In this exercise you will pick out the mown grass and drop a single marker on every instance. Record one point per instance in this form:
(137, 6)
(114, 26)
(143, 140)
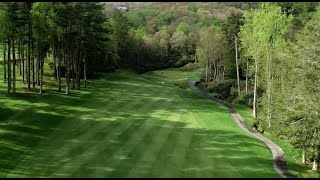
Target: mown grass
(293, 156)
(124, 125)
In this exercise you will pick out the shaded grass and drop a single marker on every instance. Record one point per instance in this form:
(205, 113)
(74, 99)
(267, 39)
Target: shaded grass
(124, 125)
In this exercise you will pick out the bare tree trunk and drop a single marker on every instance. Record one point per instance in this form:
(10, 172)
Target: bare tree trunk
(32, 57)
(255, 90)
(315, 166)
(54, 61)
(9, 67)
(269, 90)
(38, 68)
(237, 63)
(73, 69)
(207, 67)
(59, 65)
(19, 54)
(29, 57)
(303, 156)
(247, 76)
(22, 62)
(41, 79)
(78, 70)
(4, 62)
(85, 70)
(67, 80)
(223, 73)
(67, 74)
(14, 67)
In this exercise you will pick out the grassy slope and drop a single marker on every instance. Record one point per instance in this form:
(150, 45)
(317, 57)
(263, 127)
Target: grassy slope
(293, 156)
(124, 125)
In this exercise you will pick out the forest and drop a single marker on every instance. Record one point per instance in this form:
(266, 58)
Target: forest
(263, 56)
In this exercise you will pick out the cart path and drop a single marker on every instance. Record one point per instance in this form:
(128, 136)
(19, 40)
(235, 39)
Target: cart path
(278, 158)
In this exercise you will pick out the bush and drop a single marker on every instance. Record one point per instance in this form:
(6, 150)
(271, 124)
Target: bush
(182, 61)
(223, 88)
(245, 99)
(203, 77)
(233, 93)
(190, 66)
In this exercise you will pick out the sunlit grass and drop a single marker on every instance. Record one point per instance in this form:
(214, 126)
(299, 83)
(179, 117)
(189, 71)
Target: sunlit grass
(124, 125)
(293, 156)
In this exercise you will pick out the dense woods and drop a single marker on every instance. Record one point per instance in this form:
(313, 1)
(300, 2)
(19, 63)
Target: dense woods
(275, 49)
(32, 31)
(262, 55)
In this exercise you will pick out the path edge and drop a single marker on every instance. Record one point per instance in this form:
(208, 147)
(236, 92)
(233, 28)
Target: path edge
(278, 158)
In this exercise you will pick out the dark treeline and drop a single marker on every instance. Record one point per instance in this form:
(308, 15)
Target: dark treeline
(74, 34)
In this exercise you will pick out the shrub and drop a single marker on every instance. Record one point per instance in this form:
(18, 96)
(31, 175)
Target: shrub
(233, 93)
(190, 66)
(245, 99)
(182, 61)
(223, 88)
(203, 77)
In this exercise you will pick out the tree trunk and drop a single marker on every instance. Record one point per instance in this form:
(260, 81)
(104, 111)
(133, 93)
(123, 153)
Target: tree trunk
(247, 76)
(67, 80)
(14, 67)
(303, 156)
(223, 73)
(59, 67)
(41, 79)
(67, 74)
(38, 69)
(73, 69)
(9, 67)
(22, 61)
(29, 56)
(269, 85)
(19, 55)
(237, 63)
(85, 70)
(32, 57)
(207, 66)
(255, 89)
(4, 62)
(315, 166)
(54, 62)
(78, 70)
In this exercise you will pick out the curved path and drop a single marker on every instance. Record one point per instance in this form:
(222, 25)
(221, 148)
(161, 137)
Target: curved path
(278, 160)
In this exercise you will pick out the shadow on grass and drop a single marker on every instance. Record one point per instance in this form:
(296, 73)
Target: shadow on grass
(28, 149)
(92, 133)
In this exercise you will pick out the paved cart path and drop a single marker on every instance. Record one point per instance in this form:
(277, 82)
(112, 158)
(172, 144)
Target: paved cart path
(278, 159)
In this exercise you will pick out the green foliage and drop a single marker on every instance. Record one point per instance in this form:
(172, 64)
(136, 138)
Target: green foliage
(43, 17)
(118, 34)
(135, 18)
(183, 27)
(192, 6)
(165, 18)
(244, 99)
(222, 89)
(190, 66)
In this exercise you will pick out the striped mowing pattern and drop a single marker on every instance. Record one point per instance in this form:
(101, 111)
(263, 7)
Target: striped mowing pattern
(125, 125)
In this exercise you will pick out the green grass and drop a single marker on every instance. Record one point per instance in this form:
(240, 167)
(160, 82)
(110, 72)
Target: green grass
(293, 156)
(124, 125)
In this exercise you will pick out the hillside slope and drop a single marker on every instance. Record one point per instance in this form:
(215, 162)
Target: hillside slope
(125, 125)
